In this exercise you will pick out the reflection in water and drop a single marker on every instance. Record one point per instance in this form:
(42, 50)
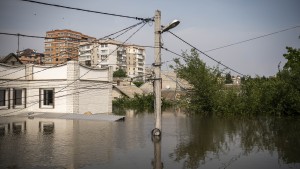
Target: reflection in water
(156, 162)
(18, 127)
(186, 142)
(211, 138)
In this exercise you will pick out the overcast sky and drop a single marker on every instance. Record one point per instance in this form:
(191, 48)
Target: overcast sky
(206, 24)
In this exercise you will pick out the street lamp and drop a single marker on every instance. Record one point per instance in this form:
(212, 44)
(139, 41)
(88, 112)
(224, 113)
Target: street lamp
(172, 25)
(158, 30)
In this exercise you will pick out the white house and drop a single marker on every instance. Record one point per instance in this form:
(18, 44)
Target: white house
(66, 88)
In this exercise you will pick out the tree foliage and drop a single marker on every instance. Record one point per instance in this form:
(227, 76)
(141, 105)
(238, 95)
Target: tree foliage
(120, 73)
(138, 83)
(228, 79)
(205, 81)
(278, 95)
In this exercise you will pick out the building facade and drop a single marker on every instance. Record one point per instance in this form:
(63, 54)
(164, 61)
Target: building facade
(112, 53)
(31, 56)
(67, 88)
(63, 45)
(88, 53)
(108, 52)
(136, 61)
(11, 59)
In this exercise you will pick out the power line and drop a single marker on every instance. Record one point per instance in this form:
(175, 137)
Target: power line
(181, 57)
(61, 90)
(206, 54)
(258, 37)
(38, 100)
(69, 50)
(125, 29)
(107, 55)
(86, 10)
(89, 87)
(42, 37)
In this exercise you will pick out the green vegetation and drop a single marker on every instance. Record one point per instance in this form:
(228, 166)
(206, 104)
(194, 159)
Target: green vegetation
(139, 103)
(278, 95)
(120, 73)
(228, 79)
(138, 83)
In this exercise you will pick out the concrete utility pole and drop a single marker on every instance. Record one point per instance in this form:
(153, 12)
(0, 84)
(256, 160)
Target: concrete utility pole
(157, 69)
(158, 30)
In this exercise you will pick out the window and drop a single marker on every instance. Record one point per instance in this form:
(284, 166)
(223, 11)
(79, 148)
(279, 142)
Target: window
(46, 98)
(104, 51)
(2, 97)
(19, 98)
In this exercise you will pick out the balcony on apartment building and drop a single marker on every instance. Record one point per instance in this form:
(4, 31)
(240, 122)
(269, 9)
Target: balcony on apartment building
(84, 58)
(140, 57)
(140, 70)
(140, 65)
(122, 63)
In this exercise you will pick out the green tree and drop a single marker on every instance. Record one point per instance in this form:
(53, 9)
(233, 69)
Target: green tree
(290, 77)
(291, 69)
(228, 79)
(120, 73)
(205, 82)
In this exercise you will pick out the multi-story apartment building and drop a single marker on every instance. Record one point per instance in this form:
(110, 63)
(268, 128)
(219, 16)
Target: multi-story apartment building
(88, 53)
(135, 61)
(112, 53)
(63, 45)
(108, 52)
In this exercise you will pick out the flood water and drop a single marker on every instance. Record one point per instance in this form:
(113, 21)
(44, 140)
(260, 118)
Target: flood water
(187, 142)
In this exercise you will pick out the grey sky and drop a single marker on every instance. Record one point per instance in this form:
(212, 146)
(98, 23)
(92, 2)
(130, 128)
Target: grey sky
(206, 24)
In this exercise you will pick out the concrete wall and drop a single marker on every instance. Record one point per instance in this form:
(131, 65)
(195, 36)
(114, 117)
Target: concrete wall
(77, 89)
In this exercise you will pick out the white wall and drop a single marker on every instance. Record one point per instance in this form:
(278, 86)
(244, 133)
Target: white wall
(12, 72)
(46, 72)
(91, 93)
(94, 97)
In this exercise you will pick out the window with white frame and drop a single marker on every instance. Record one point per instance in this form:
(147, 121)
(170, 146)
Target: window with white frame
(47, 98)
(19, 98)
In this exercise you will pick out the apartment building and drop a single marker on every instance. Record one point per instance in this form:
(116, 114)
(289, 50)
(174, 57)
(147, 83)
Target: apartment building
(108, 52)
(88, 53)
(112, 53)
(136, 61)
(63, 45)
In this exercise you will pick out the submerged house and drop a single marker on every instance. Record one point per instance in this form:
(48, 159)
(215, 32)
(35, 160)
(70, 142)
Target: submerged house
(65, 88)
(125, 91)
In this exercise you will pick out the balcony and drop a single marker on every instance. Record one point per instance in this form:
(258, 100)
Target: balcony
(140, 57)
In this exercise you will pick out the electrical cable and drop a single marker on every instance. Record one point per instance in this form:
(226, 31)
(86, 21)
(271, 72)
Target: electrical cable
(57, 54)
(181, 57)
(206, 54)
(107, 55)
(258, 37)
(130, 27)
(42, 37)
(90, 87)
(85, 72)
(85, 10)
(38, 101)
